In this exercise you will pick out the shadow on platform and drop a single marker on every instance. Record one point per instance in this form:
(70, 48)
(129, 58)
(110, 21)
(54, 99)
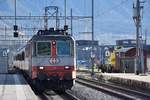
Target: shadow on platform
(12, 79)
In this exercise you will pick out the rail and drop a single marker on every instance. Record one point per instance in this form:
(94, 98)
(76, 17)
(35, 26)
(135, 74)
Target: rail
(113, 89)
(71, 96)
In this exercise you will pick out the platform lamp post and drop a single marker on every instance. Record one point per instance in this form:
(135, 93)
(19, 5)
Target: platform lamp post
(92, 51)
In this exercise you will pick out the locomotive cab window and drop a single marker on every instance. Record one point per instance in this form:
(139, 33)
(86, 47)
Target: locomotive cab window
(43, 48)
(63, 48)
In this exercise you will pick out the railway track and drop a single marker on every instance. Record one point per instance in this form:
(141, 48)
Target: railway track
(67, 95)
(71, 96)
(118, 91)
(52, 95)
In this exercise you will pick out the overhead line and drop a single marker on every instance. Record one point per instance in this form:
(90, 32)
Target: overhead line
(114, 7)
(42, 17)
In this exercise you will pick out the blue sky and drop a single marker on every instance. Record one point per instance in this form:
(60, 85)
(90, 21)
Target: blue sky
(113, 18)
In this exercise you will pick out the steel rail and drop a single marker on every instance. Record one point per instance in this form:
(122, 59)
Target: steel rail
(119, 87)
(71, 96)
(113, 89)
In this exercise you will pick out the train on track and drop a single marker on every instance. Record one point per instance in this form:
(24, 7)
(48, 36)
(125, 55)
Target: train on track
(49, 60)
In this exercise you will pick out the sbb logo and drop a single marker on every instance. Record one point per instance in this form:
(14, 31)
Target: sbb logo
(54, 60)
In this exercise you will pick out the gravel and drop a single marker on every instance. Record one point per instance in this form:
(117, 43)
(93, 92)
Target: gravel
(86, 93)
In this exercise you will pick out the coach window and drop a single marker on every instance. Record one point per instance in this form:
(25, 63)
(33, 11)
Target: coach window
(19, 57)
(27, 49)
(63, 48)
(43, 48)
(23, 56)
(16, 57)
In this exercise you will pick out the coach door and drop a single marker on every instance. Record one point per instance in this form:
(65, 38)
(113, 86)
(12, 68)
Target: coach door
(3, 61)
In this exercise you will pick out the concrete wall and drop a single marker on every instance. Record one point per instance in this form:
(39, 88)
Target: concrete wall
(148, 64)
(3, 60)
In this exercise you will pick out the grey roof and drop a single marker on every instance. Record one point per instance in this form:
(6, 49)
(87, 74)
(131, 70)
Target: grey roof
(125, 49)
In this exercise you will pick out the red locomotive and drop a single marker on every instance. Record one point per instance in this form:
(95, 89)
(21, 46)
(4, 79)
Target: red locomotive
(48, 59)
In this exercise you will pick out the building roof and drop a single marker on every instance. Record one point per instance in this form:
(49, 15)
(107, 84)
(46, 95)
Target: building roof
(124, 49)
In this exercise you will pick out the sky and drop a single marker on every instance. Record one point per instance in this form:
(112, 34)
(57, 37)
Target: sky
(112, 18)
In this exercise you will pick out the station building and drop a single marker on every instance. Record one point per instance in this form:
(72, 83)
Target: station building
(126, 55)
(8, 46)
(84, 52)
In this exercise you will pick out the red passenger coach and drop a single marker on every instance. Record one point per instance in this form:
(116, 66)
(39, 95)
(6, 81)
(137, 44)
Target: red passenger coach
(49, 60)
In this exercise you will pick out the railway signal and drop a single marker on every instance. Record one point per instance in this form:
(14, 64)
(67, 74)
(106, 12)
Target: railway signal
(15, 31)
(15, 34)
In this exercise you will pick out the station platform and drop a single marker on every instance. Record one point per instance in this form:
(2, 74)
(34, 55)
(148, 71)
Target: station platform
(141, 81)
(129, 79)
(14, 87)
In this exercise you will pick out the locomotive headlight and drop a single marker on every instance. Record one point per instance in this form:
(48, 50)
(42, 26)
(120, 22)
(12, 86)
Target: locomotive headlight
(73, 74)
(41, 67)
(67, 67)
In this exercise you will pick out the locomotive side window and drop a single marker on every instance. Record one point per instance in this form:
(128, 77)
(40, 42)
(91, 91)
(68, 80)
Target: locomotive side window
(43, 48)
(63, 48)
(27, 49)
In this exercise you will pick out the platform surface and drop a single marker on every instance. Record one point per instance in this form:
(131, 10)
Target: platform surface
(14, 87)
(131, 76)
(144, 78)
(140, 81)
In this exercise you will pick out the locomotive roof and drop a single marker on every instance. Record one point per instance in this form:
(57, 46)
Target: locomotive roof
(44, 35)
(51, 37)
